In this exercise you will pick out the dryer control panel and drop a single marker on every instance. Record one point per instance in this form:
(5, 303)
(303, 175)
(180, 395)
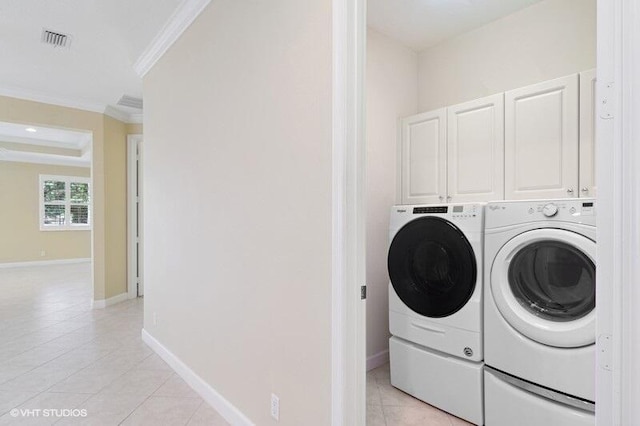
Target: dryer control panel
(503, 213)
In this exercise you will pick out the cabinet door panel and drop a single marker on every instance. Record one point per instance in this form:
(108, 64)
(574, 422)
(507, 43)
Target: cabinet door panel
(424, 158)
(541, 140)
(588, 133)
(475, 150)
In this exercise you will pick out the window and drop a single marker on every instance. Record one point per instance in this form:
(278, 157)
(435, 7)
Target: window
(64, 203)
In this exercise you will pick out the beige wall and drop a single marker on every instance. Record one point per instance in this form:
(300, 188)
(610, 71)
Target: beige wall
(134, 129)
(115, 174)
(550, 39)
(237, 220)
(392, 93)
(108, 174)
(22, 239)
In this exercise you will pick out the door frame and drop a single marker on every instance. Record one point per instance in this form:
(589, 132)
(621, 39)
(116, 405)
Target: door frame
(134, 219)
(348, 315)
(618, 221)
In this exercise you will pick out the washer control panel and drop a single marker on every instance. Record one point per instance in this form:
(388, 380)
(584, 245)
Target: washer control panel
(464, 211)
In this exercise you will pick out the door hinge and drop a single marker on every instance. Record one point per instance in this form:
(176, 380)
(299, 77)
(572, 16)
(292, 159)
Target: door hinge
(606, 101)
(363, 292)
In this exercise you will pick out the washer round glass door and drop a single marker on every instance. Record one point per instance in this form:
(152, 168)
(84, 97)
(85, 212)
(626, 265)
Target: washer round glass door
(544, 285)
(432, 267)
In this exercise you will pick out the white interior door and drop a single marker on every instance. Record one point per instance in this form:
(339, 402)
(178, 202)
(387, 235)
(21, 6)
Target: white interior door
(135, 286)
(541, 140)
(587, 133)
(424, 158)
(475, 150)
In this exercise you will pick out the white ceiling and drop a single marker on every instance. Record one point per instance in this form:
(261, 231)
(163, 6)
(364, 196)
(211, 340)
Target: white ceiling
(420, 24)
(108, 36)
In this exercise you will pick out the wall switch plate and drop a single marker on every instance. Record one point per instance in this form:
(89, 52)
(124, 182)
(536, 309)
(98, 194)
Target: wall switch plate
(275, 406)
(43, 253)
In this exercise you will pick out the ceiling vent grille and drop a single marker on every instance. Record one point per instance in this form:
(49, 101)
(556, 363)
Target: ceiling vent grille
(130, 101)
(55, 39)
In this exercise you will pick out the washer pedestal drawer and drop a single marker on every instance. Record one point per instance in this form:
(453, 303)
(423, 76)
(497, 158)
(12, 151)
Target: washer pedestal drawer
(509, 404)
(447, 382)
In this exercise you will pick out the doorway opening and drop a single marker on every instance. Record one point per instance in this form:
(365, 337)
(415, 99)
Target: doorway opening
(448, 88)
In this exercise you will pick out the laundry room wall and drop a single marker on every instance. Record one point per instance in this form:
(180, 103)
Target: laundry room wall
(238, 207)
(392, 93)
(549, 39)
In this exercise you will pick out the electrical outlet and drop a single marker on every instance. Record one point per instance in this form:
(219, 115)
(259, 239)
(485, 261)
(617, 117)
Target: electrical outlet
(155, 318)
(275, 406)
(43, 253)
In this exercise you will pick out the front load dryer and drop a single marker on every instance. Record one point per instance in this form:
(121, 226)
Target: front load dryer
(435, 266)
(539, 311)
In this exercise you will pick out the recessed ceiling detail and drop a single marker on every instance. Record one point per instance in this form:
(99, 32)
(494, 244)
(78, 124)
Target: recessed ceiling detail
(130, 101)
(56, 39)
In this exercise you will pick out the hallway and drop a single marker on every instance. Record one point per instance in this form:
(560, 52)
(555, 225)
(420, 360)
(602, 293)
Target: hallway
(59, 354)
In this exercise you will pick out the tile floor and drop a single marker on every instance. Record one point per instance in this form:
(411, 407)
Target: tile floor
(388, 406)
(58, 353)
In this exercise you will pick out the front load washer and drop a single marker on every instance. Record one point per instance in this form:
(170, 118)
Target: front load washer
(435, 266)
(539, 307)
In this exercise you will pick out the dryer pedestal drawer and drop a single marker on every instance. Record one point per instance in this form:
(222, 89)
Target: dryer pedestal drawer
(509, 404)
(447, 382)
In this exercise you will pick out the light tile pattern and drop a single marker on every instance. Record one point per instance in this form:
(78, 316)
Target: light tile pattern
(59, 353)
(388, 406)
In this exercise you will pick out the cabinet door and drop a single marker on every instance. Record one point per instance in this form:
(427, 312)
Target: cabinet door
(541, 140)
(588, 133)
(475, 150)
(424, 158)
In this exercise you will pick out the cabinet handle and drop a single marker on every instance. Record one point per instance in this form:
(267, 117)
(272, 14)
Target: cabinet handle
(448, 198)
(441, 198)
(585, 189)
(570, 190)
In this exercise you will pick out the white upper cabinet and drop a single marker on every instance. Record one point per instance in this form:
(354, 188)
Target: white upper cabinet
(541, 140)
(587, 134)
(424, 158)
(475, 150)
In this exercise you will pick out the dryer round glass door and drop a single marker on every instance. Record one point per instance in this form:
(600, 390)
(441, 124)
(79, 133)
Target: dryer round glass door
(432, 267)
(544, 285)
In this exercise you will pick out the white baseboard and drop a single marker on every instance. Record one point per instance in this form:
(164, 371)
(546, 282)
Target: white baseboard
(43, 263)
(225, 408)
(103, 303)
(375, 361)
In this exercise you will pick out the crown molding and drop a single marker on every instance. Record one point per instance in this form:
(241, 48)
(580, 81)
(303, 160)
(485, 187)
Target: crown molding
(81, 104)
(115, 113)
(135, 118)
(43, 158)
(130, 118)
(47, 98)
(179, 21)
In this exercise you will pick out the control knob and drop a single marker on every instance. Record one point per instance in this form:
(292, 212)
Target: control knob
(550, 210)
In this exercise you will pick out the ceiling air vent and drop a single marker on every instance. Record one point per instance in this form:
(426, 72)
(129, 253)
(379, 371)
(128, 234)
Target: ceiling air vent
(55, 39)
(130, 101)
